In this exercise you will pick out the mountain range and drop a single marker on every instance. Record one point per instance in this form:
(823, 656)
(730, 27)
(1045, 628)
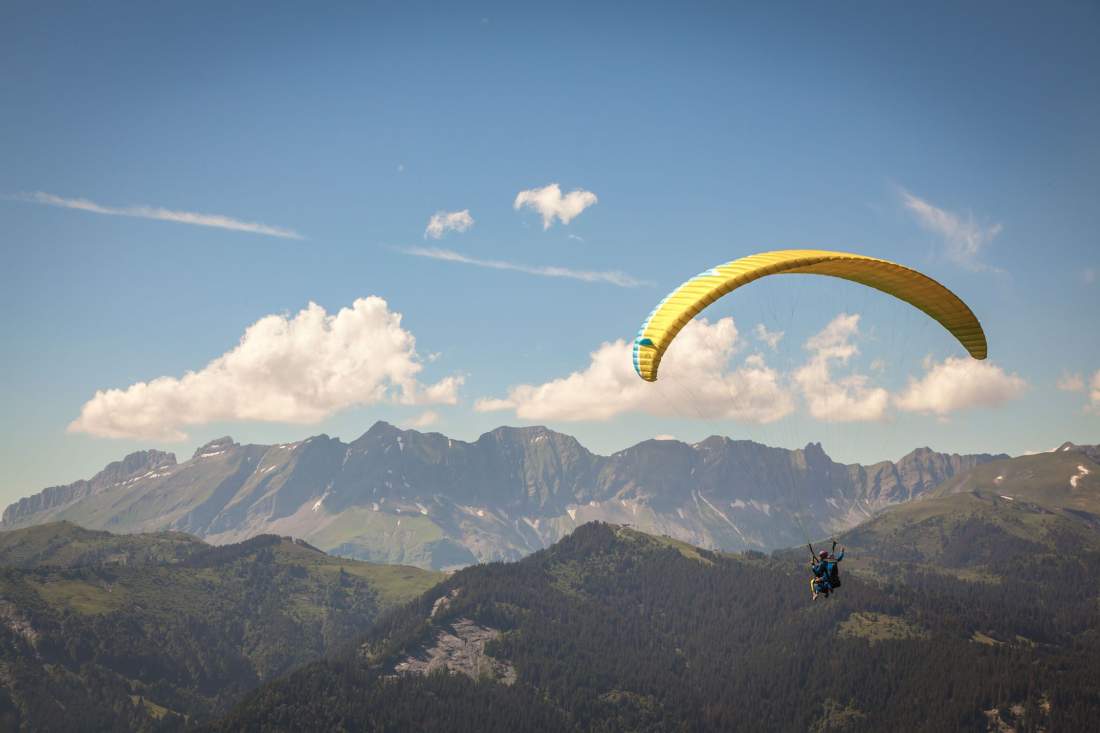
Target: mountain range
(425, 499)
(970, 607)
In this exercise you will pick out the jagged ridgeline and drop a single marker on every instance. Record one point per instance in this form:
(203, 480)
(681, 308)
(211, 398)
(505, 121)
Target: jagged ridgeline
(425, 499)
(612, 629)
(140, 632)
(1004, 517)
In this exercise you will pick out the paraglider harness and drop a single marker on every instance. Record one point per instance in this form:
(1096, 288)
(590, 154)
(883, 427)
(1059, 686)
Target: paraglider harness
(826, 572)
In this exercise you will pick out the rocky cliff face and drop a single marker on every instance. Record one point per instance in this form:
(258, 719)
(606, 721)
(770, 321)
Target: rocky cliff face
(422, 498)
(134, 468)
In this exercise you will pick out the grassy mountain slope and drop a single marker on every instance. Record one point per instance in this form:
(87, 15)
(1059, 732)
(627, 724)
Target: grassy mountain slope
(1067, 478)
(140, 631)
(611, 629)
(1004, 517)
(64, 544)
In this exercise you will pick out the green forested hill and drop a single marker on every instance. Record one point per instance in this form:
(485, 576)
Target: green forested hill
(612, 629)
(64, 544)
(1009, 517)
(108, 632)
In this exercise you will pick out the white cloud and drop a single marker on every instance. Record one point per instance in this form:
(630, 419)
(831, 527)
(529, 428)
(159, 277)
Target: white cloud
(959, 383)
(493, 404)
(1094, 392)
(424, 419)
(613, 277)
(298, 369)
(448, 221)
(695, 382)
(965, 238)
(551, 205)
(1088, 276)
(850, 398)
(155, 212)
(1071, 382)
(664, 436)
(771, 338)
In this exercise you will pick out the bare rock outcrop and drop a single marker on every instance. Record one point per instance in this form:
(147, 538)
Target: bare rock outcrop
(459, 647)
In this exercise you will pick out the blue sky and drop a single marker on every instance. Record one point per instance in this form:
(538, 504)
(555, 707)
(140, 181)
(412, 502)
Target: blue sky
(960, 140)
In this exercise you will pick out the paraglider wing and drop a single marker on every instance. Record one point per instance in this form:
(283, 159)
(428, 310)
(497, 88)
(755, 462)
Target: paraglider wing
(684, 303)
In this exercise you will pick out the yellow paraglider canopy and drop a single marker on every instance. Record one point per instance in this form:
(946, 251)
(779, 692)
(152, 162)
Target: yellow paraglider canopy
(686, 301)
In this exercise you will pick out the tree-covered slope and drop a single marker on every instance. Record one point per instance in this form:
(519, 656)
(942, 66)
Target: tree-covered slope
(109, 632)
(612, 629)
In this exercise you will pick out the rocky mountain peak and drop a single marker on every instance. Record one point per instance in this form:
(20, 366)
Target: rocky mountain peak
(713, 442)
(527, 433)
(381, 433)
(136, 464)
(815, 451)
(215, 446)
(1092, 451)
(382, 428)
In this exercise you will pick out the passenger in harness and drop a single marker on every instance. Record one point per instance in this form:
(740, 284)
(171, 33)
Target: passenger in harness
(825, 567)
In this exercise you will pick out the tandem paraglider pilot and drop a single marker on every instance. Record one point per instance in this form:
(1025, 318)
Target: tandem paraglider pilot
(825, 567)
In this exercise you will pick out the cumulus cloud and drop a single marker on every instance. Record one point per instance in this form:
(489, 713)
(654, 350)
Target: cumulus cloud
(551, 205)
(664, 436)
(846, 399)
(959, 383)
(771, 338)
(218, 221)
(614, 277)
(963, 236)
(1094, 392)
(1071, 382)
(697, 381)
(298, 369)
(442, 222)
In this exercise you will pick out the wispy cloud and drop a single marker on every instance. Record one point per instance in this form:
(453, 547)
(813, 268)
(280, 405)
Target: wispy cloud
(424, 419)
(1071, 382)
(964, 237)
(551, 205)
(771, 338)
(217, 221)
(1088, 276)
(448, 221)
(614, 277)
(1076, 382)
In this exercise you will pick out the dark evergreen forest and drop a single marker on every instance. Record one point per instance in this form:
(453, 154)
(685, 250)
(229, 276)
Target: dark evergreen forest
(613, 630)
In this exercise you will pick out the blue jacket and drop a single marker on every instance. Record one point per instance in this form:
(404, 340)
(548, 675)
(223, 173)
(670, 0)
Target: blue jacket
(828, 567)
